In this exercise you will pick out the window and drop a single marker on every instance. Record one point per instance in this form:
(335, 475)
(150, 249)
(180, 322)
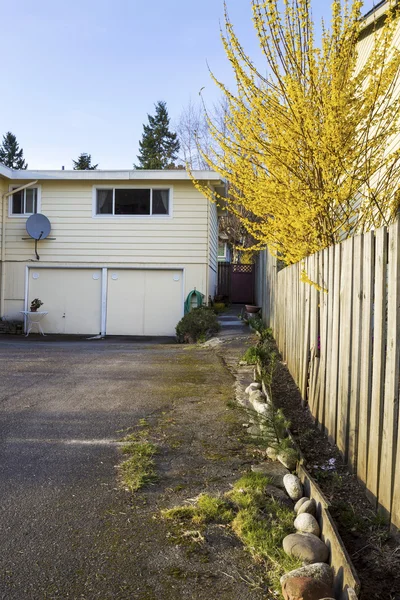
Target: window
(222, 250)
(24, 202)
(133, 202)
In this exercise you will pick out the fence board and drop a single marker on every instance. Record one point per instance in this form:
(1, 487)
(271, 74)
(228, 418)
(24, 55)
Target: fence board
(346, 292)
(366, 354)
(306, 343)
(323, 335)
(355, 351)
(313, 276)
(333, 392)
(331, 271)
(390, 399)
(378, 364)
(343, 350)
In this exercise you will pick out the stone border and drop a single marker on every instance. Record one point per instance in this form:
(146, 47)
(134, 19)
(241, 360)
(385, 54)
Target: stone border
(347, 583)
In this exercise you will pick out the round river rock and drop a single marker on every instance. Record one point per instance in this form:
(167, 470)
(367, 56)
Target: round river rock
(293, 487)
(306, 523)
(304, 588)
(299, 503)
(309, 507)
(320, 571)
(306, 546)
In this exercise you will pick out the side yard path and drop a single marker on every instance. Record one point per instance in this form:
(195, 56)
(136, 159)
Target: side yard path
(69, 531)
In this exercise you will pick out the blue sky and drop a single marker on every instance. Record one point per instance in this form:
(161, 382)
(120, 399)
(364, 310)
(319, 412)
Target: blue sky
(82, 76)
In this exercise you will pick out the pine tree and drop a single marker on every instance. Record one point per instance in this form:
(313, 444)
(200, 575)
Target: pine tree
(159, 146)
(84, 163)
(10, 154)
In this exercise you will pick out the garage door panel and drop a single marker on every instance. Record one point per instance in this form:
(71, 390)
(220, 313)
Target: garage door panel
(144, 301)
(72, 298)
(83, 305)
(125, 302)
(163, 306)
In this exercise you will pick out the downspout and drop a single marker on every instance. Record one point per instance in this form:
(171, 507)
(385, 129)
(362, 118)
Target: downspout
(3, 243)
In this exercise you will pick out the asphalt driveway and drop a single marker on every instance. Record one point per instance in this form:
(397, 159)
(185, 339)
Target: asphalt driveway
(67, 528)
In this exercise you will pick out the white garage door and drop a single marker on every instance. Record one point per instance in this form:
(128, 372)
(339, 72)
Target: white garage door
(144, 302)
(72, 298)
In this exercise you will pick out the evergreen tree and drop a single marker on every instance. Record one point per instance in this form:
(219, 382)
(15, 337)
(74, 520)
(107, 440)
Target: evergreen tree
(10, 153)
(159, 146)
(84, 163)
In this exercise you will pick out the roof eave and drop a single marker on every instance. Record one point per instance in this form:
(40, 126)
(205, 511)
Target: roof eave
(110, 175)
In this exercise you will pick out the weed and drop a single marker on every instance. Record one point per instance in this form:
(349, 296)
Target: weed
(252, 355)
(138, 470)
(256, 323)
(179, 513)
(177, 573)
(207, 509)
(231, 404)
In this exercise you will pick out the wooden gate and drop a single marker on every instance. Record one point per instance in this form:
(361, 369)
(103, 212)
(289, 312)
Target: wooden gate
(236, 282)
(242, 284)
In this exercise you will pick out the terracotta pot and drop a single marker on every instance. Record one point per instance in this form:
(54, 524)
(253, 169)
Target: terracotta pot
(252, 309)
(33, 309)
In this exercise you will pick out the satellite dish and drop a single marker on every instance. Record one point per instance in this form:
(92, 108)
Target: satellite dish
(38, 227)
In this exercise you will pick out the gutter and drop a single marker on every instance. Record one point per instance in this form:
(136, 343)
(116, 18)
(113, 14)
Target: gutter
(3, 243)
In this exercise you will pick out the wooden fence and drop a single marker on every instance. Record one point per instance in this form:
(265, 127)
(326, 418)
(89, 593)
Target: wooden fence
(341, 340)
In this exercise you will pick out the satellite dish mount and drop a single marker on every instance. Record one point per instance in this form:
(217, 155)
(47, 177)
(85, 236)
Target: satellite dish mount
(38, 228)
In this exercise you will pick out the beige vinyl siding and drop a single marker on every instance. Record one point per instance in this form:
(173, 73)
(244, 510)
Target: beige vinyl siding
(3, 190)
(80, 237)
(213, 249)
(365, 47)
(177, 242)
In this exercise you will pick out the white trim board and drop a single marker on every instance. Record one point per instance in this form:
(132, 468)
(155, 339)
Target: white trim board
(113, 175)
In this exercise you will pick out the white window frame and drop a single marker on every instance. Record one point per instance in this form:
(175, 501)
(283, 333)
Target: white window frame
(225, 255)
(133, 187)
(14, 186)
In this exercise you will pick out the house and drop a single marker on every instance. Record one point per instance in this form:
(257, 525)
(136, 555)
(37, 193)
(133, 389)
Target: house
(125, 248)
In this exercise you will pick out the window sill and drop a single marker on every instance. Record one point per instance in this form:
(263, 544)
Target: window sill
(139, 217)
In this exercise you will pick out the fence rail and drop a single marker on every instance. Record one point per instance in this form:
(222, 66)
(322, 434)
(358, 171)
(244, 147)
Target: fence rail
(340, 338)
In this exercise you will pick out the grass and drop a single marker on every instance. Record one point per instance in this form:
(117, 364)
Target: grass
(208, 509)
(262, 532)
(259, 521)
(139, 469)
(249, 490)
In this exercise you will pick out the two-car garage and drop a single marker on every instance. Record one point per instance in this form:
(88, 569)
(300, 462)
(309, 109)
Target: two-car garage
(122, 301)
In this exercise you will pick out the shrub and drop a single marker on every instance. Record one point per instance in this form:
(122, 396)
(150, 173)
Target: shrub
(198, 324)
(219, 307)
(252, 355)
